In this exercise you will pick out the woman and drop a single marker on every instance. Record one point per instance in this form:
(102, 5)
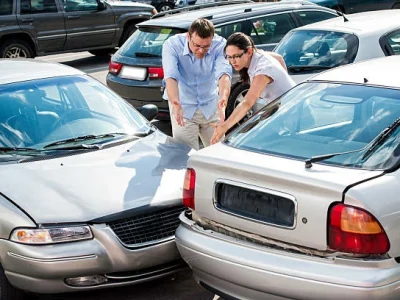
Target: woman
(266, 72)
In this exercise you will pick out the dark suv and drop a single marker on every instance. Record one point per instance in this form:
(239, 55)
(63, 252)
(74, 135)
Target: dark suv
(135, 70)
(30, 28)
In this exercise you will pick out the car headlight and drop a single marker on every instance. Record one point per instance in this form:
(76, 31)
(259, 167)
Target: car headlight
(51, 235)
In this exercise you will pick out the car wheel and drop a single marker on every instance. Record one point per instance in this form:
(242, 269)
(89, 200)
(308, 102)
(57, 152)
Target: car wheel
(15, 49)
(237, 96)
(101, 52)
(164, 7)
(129, 30)
(7, 291)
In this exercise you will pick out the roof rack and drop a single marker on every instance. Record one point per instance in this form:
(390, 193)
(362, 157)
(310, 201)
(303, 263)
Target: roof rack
(200, 6)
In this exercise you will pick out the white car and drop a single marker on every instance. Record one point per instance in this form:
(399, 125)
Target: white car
(302, 201)
(352, 38)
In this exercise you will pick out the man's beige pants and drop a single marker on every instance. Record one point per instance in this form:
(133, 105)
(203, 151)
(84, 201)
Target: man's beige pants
(195, 127)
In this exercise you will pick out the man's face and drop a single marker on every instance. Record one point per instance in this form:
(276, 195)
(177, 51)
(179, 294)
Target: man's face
(199, 46)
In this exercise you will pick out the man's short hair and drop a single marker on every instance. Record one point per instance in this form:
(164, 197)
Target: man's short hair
(203, 28)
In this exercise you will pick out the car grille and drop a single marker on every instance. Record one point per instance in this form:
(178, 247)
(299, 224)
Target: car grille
(147, 228)
(256, 204)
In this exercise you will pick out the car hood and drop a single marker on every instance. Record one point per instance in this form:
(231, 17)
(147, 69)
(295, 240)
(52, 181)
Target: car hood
(83, 187)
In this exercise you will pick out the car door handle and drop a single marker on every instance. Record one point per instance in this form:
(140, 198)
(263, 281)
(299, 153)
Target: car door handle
(25, 20)
(73, 17)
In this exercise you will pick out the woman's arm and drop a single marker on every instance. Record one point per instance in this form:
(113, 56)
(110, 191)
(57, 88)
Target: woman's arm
(257, 87)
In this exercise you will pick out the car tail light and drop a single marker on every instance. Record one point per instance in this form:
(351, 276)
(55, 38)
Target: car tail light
(188, 188)
(156, 73)
(354, 230)
(114, 67)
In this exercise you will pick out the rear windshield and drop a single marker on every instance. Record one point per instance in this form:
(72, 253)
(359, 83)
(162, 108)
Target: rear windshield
(147, 41)
(318, 48)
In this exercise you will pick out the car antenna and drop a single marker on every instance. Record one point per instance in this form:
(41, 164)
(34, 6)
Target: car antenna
(342, 14)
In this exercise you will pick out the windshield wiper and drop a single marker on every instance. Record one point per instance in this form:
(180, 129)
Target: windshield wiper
(146, 54)
(82, 138)
(371, 146)
(298, 69)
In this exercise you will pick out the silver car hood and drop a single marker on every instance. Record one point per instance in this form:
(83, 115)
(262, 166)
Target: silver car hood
(83, 187)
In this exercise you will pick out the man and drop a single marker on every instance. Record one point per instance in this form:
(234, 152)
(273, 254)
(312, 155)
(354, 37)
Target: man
(198, 81)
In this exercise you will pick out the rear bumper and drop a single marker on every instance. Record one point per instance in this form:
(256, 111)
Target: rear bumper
(244, 270)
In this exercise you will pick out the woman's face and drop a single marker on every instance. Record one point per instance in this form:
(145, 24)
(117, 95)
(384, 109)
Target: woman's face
(237, 57)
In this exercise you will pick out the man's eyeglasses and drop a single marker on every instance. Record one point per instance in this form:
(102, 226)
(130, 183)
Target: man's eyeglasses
(236, 56)
(199, 46)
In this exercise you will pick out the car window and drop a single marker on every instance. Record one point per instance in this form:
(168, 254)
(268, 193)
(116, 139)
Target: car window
(147, 41)
(316, 119)
(394, 41)
(227, 29)
(80, 5)
(271, 29)
(308, 17)
(318, 48)
(38, 6)
(6, 7)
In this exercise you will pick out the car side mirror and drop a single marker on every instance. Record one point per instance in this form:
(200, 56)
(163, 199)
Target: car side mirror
(101, 5)
(149, 111)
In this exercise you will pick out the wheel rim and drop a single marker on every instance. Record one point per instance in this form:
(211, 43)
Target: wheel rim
(239, 100)
(15, 52)
(165, 8)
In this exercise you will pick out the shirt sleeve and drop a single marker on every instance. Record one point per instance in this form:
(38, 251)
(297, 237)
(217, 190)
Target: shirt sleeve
(222, 66)
(170, 60)
(266, 66)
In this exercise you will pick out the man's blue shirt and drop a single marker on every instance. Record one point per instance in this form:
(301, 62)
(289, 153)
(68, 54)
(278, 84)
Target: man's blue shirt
(197, 78)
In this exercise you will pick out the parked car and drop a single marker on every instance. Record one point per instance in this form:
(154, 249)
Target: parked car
(343, 40)
(300, 202)
(160, 5)
(353, 6)
(135, 70)
(90, 191)
(34, 28)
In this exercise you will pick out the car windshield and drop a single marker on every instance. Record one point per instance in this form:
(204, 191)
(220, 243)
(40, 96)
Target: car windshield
(147, 41)
(36, 113)
(308, 50)
(315, 119)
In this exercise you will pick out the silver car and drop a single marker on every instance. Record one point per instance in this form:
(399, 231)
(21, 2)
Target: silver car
(301, 202)
(90, 191)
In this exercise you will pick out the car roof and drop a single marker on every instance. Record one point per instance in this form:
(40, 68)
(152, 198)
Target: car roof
(360, 23)
(371, 72)
(184, 17)
(30, 69)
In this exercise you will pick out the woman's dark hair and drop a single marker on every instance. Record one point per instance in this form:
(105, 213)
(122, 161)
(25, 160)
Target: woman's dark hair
(243, 42)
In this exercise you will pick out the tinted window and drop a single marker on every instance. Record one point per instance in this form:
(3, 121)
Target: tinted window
(271, 29)
(321, 118)
(6, 7)
(308, 17)
(147, 42)
(394, 41)
(227, 29)
(318, 48)
(80, 5)
(38, 6)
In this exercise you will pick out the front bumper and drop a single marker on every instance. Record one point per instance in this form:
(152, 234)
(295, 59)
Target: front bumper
(244, 270)
(43, 269)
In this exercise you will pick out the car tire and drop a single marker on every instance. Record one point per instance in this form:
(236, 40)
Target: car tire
(164, 7)
(238, 91)
(7, 291)
(129, 30)
(15, 48)
(101, 52)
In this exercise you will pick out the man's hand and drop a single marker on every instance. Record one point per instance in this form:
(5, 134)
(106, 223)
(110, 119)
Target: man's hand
(221, 109)
(219, 133)
(178, 113)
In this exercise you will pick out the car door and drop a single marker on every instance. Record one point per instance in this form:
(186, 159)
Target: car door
(87, 24)
(268, 30)
(43, 19)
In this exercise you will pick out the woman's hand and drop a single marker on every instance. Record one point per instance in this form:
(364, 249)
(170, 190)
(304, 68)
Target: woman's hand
(221, 110)
(219, 133)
